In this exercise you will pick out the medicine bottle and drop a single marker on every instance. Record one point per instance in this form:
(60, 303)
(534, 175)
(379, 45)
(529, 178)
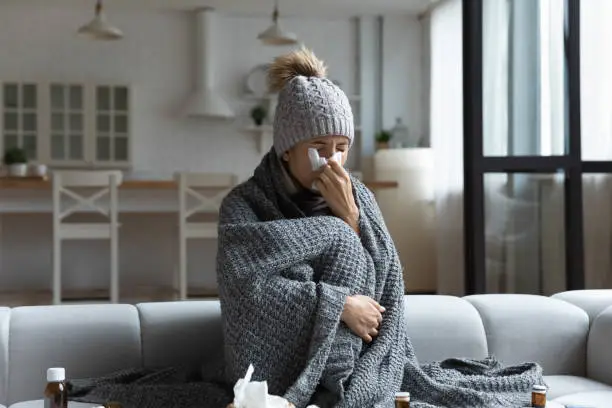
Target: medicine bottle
(538, 396)
(402, 400)
(56, 394)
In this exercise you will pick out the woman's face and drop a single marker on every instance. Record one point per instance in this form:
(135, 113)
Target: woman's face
(299, 163)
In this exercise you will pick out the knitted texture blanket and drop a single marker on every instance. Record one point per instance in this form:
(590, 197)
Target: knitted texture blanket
(283, 279)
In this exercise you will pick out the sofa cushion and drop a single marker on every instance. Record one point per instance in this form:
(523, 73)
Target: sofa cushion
(88, 340)
(180, 332)
(592, 301)
(444, 326)
(4, 336)
(599, 352)
(589, 399)
(523, 328)
(560, 385)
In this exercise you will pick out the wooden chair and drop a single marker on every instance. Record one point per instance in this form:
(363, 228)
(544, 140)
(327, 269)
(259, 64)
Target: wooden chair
(190, 186)
(67, 183)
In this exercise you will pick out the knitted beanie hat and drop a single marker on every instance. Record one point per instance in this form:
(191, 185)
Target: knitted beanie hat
(309, 104)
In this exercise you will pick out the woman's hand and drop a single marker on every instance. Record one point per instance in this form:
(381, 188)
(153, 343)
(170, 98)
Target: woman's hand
(336, 188)
(363, 316)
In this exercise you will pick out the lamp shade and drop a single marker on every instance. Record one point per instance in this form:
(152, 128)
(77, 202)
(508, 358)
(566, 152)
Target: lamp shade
(275, 35)
(99, 28)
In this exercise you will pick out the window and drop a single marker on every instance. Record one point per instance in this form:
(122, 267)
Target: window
(20, 118)
(67, 122)
(112, 123)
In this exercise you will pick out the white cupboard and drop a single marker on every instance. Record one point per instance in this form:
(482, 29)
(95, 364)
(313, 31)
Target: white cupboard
(68, 124)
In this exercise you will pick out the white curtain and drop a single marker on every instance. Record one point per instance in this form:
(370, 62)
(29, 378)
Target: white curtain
(496, 18)
(552, 77)
(446, 129)
(596, 116)
(446, 121)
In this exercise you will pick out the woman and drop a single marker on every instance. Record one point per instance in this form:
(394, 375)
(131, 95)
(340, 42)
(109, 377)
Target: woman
(310, 282)
(311, 286)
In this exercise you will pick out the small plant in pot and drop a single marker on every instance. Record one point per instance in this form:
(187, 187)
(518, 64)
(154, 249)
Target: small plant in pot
(382, 139)
(259, 114)
(16, 161)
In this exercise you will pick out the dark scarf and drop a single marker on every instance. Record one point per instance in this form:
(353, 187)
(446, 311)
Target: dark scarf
(310, 202)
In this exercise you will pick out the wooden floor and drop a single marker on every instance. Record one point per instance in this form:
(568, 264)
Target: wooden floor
(96, 296)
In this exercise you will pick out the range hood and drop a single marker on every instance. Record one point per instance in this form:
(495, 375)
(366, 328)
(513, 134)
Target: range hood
(206, 101)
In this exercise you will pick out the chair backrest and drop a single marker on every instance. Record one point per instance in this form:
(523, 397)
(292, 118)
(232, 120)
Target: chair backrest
(189, 185)
(103, 182)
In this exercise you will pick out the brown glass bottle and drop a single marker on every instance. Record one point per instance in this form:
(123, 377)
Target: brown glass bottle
(402, 400)
(538, 396)
(56, 394)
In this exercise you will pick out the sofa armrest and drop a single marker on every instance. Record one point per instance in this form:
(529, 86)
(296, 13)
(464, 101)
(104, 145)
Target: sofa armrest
(599, 351)
(5, 314)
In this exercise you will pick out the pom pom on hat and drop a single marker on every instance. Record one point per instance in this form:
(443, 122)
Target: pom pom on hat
(302, 62)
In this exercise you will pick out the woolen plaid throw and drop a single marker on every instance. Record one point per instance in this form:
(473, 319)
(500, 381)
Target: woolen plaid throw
(283, 279)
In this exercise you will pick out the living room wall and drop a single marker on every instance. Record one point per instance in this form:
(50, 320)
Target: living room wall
(156, 57)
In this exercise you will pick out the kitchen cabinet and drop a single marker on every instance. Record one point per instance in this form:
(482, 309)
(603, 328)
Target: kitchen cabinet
(66, 124)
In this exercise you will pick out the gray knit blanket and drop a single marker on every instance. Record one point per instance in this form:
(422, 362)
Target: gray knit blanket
(283, 279)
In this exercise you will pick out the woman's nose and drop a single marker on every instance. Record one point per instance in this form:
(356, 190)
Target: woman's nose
(327, 152)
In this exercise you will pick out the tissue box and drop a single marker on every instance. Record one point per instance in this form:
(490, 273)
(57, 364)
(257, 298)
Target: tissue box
(254, 394)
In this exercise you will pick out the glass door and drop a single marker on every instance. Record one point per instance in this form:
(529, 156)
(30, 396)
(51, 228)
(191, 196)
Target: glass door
(523, 203)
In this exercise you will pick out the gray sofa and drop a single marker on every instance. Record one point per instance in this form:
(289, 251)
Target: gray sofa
(570, 334)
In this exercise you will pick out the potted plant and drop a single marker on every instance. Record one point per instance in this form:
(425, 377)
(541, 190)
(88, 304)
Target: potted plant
(17, 162)
(259, 114)
(382, 139)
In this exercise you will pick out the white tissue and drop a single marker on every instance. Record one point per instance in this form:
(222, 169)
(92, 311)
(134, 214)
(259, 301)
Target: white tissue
(317, 161)
(254, 394)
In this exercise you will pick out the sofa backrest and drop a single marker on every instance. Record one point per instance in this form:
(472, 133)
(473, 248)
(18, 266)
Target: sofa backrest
(4, 336)
(521, 328)
(188, 332)
(180, 332)
(592, 301)
(444, 326)
(93, 340)
(88, 340)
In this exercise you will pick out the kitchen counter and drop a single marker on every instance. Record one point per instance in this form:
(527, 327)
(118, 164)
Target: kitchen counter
(139, 184)
(30, 195)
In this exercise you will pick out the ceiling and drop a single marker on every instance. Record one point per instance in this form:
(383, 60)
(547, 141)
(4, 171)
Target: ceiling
(257, 7)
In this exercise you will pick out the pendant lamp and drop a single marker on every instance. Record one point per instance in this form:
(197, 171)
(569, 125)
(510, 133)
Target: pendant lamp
(99, 28)
(275, 35)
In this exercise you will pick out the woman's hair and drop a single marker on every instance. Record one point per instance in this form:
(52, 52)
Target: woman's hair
(302, 62)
